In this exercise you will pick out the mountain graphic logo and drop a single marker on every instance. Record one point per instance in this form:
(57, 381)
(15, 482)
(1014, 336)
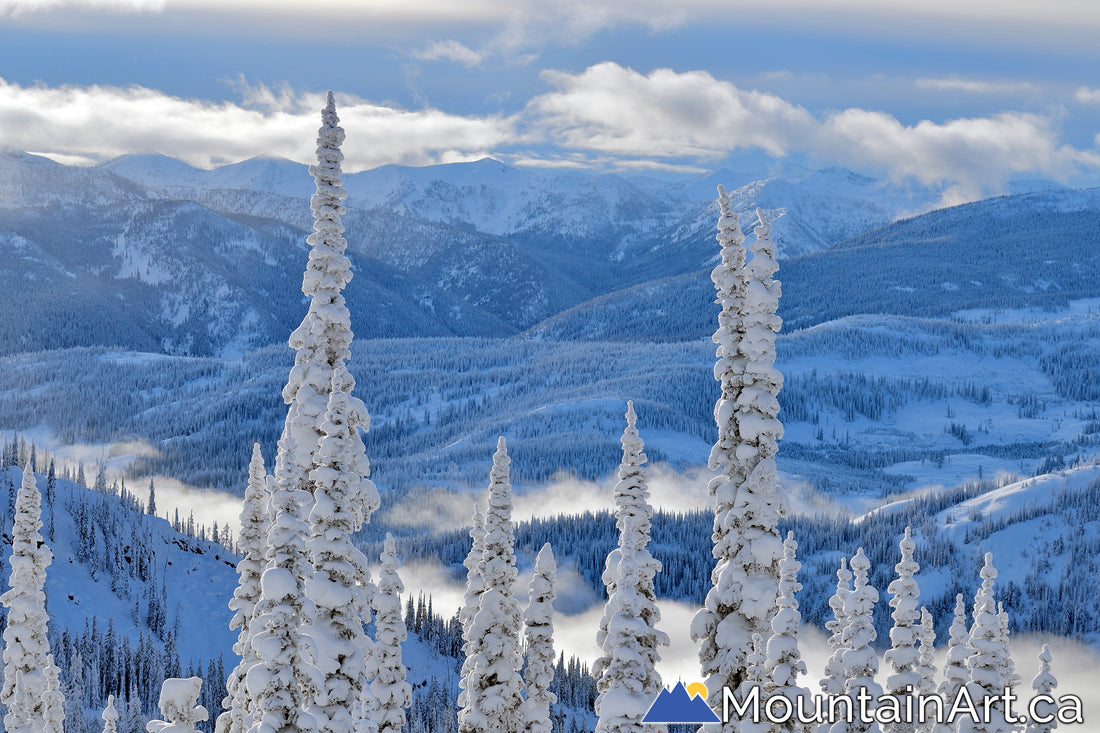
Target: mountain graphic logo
(678, 706)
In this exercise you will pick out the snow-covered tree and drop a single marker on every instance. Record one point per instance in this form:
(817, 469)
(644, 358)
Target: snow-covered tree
(475, 584)
(903, 656)
(343, 499)
(179, 706)
(987, 662)
(783, 663)
(628, 637)
(755, 676)
(323, 340)
(53, 702)
(926, 663)
(252, 544)
(539, 633)
(110, 716)
(73, 689)
(1044, 684)
(493, 701)
(955, 672)
(284, 680)
(833, 682)
(26, 646)
(393, 695)
(1011, 679)
(860, 660)
(747, 546)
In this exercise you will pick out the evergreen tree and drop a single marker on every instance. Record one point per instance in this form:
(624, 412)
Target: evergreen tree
(493, 701)
(323, 340)
(391, 692)
(74, 692)
(284, 679)
(343, 499)
(179, 707)
(53, 701)
(628, 636)
(860, 660)
(927, 651)
(539, 632)
(833, 682)
(986, 661)
(110, 716)
(903, 656)
(747, 546)
(151, 505)
(955, 672)
(252, 545)
(475, 584)
(51, 497)
(783, 662)
(26, 645)
(1044, 684)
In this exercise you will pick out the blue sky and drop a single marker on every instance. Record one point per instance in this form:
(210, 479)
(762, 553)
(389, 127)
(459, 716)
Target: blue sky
(966, 95)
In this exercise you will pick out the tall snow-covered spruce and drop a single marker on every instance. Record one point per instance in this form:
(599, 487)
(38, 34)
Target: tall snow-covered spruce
(392, 694)
(340, 587)
(903, 656)
(475, 584)
(747, 546)
(860, 659)
(493, 702)
(26, 645)
(539, 633)
(252, 544)
(284, 680)
(783, 663)
(626, 670)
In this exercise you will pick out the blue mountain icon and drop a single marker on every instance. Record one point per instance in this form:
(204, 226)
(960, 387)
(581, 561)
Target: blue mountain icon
(677, 706)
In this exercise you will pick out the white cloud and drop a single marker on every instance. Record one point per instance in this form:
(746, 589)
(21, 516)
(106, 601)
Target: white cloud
(103, 122)
(1085, 95)
(450, 51)
(974, 86)
(665, 114)
(26, 7)
(617, 110)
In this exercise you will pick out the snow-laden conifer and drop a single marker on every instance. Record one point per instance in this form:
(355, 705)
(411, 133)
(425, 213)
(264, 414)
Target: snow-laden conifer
(26, 646)
(755, 677)
(110, 716)
(986, 662)
(783, 663)
(1011, 679)
(323, 340)
(628, 637)
(860, 659)
(179, 707)
(955, 672)
(539, 633)
(493, 702)
(284, 680)
(926, 663)
(252, 544)
(475, 584)
(343, 499)
(392, 694)
(1044, 684)
(53, 702)
(833, 681)
(903, 656)
(747, 546)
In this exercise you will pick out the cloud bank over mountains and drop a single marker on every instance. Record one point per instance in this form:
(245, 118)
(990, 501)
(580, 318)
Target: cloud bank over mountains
(607, 116)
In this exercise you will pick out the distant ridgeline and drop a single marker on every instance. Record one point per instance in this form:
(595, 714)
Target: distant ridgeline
(321, 646)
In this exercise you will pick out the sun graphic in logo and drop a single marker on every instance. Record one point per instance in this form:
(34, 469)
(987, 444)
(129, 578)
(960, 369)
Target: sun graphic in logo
(697, 689)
